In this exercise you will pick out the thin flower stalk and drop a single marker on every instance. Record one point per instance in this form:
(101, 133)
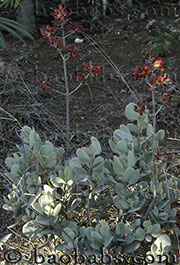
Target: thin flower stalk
(57, 36)
(158, 82)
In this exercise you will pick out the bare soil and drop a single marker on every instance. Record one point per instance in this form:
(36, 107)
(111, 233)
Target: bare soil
(97, 108)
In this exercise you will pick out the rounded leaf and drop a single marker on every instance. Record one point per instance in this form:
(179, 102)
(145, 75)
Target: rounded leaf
(156, 230)
(132, 247)
(129, 239)
(31, 228)
(140, 234)
(122, 146)
(146, 224)
(96, 236)
(68, 172)
(83, 157)
(148, 238)
(95, 145)
(163, 216)
(130, 112)
(160, 135)
(133, 128)
(131, 159)
(173, 212)
(33, 137)
(150, 130)
(9, 162)
(42, 220)
(129, 173)
(25, 133)
(15, 169)
(149, 229)
(57, 209)
(135, 177)
(117, 166)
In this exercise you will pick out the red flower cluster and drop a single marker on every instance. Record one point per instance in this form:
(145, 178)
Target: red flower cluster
(90, 68)
(154, 74)
(142, 71)
(161, 81)
(44, 82)
(57, 35)
(160, 165)
(52, 33)
(158, 63)
(166, 96)
(170, 157)
(79, 77)
(163, 159)
(148, 70)
(49, 33)
(74, 53)
(141, 107)
(60, 15)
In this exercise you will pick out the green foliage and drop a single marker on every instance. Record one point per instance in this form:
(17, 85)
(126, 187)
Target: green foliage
(10, 3)
(13, 28)
(92, 202)
(158, 45)
(161, 44)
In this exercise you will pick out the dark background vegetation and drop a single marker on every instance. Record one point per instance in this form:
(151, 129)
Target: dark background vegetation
(126, 33)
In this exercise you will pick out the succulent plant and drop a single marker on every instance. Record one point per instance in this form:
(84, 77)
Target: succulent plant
(93, 202)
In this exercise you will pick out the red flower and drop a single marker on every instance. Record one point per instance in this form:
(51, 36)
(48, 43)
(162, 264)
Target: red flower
(163, 80)
(51, 38)
(159, 78)
(80, 77)
(142, 71)
(151, 79)
(164, 98)
(90, 68)
(138, 72)
(59, 43)
(38, 83)
(146, 69)
(44, 82)
(160, 166)
(60, 7)
(48, 34)
(170, 157)
(141, 107)
(140, 111)
(74, 53)
(96, 69)
(158, 63)
(140, 103)
(48, 28)
(169, 94)
(60, 15)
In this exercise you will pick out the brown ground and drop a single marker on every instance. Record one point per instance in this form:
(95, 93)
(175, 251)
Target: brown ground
(97, 108)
